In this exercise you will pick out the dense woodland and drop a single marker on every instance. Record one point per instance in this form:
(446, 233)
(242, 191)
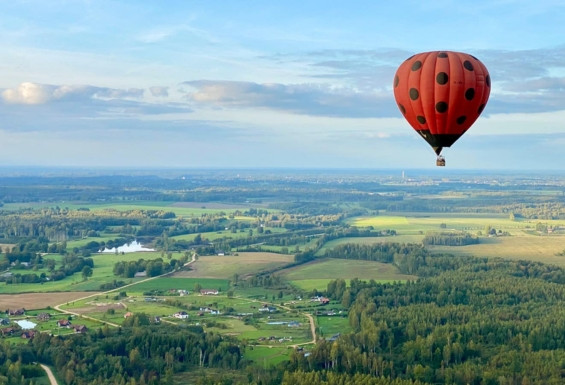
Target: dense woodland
(465, 320)
(482, 322)
(137, 353)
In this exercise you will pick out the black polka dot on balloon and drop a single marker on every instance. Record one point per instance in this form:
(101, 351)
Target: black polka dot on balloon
(417, 65)
(414, 94)
(481, 108)
(442, 55)
(402, 109)
(421, 119)
(396, 81)
(468, 65)
(488, 80)
(442, 78)
(441, 107)
(470, 93)
(461, 119)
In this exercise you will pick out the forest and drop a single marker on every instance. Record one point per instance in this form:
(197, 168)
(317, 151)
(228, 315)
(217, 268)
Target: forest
(453, 318)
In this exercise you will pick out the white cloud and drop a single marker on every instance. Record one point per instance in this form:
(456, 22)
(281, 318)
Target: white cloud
(28, 93)
(34, 93)
(306, 99)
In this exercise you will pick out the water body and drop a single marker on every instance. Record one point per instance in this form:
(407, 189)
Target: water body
(128, 248)
(25, 324)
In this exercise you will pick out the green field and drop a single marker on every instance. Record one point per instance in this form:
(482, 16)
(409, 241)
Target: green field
(331, 325)
(420, 223)
(102, 273)
(317, 274)
(520, 246)
(267, 356)
(227, 234)
(164, 283)
(244, 263)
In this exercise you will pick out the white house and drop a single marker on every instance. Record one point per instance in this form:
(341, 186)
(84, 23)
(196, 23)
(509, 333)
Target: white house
(181, 315)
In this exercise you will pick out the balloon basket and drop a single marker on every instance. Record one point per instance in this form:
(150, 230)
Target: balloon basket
(440, 161)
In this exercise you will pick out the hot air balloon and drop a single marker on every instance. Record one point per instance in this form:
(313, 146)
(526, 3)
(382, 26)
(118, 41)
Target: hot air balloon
(441, 94)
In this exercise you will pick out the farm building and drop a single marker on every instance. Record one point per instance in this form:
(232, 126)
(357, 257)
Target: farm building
(63, 323)
(181, 315)
(209, 310)
(322, 300)
(8, 331)
(80, 328)
(21, 311)
(209, 292)
(28, 334)
(267, 308)
(43, 316)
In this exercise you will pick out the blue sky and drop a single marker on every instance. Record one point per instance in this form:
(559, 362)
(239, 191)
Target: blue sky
(269, 84)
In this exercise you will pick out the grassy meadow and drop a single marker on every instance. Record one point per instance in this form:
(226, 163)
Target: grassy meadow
(267, 356)
(317, 274)
(214, 235)
(177, 283)
(331, 325)
(520, 246)
(420, 223)
(244, 263)
(102, 273)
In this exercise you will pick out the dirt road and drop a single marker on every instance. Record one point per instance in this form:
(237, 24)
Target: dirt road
(52, 378)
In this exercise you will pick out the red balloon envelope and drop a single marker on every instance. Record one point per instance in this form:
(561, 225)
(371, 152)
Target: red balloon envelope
(441, 94)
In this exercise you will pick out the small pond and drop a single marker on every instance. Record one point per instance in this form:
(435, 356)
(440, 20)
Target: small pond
(25, 324)
(128, 248)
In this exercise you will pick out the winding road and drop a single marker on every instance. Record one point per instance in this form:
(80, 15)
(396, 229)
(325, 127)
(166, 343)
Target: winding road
(52, 378)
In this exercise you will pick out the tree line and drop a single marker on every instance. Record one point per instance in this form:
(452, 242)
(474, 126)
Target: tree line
(450, 238)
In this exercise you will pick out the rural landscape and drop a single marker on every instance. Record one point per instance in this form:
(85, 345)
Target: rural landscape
(282, 192)
(282, 276)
